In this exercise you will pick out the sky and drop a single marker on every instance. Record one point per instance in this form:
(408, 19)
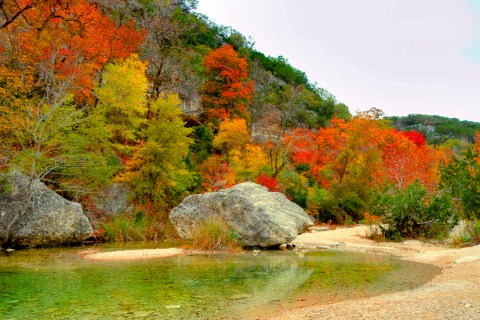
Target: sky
(402, 56)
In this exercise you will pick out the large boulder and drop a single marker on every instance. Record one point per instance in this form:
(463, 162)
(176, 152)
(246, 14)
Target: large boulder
(39, 215)
(258, 217)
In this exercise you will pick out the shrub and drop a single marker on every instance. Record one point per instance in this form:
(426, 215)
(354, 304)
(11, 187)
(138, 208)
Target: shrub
(214, 234)
(140, 227)
(339, 204)
(294, 187)
(414, 212)
(470, 236)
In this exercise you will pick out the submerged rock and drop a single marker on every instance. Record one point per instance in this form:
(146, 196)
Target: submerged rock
(258, 217)
(39, 215)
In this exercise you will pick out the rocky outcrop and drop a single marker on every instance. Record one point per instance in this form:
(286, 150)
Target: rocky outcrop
(258, 217)
(34, 215)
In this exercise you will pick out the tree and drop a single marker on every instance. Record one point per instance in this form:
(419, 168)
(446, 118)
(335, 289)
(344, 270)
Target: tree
(216, 174)
(122, 101)
(232, 135)
(157, 169)
(461, 178)
(55, 143)
(245, 159)
(66, 43)
(202, 147)
(227, 91)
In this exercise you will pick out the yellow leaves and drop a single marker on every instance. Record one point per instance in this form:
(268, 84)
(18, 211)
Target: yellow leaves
(166, 107)
(233, 134)
(249, 162)
(124, 86)
(122, 98)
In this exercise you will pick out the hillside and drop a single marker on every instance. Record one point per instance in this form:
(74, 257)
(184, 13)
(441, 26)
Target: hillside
(150, 97)
(436, 129)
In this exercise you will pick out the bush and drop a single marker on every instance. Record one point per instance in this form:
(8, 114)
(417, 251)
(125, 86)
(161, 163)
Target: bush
(414, 212)
(214, 234)
(471, 235)
(340, 204)
(295, 188)
(140, 227)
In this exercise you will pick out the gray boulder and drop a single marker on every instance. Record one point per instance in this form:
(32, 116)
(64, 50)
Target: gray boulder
(258, 217)
(37, 215)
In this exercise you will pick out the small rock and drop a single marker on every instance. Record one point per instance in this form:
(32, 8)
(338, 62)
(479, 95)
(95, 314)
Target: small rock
(323, 247)
(142, 314)
(9, 250)
(286, 246)
(467, 305)
(318, 229)
(173, 306)
(239, 296)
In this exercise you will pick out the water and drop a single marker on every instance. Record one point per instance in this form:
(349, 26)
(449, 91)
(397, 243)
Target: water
(60, 284)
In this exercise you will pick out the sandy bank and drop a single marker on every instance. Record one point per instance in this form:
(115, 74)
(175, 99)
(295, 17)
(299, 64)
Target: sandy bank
(132, 254)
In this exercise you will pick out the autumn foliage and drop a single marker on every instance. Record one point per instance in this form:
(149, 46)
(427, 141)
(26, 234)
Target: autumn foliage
(66, 42)
(227, 91)
(88, 97)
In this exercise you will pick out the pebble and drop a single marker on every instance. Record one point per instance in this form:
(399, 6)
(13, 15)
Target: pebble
(239, 296)
(173, 306)
(142, 314)
(318, 229)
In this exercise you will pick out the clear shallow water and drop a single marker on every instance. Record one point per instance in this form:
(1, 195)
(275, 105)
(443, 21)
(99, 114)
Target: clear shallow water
(59, 284)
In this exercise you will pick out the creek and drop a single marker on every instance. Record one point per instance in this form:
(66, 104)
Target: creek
(58, 283)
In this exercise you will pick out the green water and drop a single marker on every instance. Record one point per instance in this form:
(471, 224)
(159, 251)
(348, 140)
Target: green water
(60, 284)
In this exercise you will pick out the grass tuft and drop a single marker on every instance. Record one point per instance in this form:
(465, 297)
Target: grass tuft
(214, 234)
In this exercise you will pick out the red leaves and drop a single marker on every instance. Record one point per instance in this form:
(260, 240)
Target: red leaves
(416, 137)
(363, 148)
(228, 88)
(269, 182)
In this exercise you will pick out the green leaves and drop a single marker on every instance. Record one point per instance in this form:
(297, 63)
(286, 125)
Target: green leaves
(461, 178)
(415, 212)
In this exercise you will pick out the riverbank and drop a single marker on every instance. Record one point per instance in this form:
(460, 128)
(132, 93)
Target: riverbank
(453, 294)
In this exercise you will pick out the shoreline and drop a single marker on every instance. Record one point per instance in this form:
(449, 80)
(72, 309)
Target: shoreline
(452, 294)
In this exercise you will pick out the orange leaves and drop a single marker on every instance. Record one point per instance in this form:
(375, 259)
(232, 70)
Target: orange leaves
(367, 150)
(216, 174)
(228, 88)
(69, 41)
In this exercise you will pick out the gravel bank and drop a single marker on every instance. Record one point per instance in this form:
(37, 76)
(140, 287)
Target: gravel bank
(453, 294)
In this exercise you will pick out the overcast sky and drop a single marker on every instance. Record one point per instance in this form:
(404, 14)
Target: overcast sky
(402, 56)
